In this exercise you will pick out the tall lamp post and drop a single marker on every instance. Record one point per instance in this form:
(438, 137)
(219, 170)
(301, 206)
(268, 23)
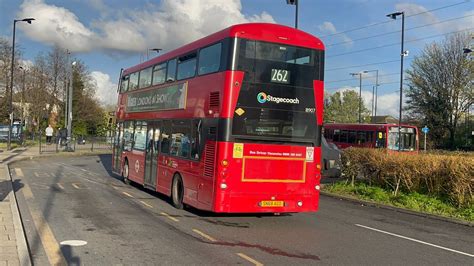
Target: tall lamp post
(403, 53)
(360, 92)
(374, 91)
(467, 51)
(23, 96)
(69, 104)
(10, 105)
(295, 3)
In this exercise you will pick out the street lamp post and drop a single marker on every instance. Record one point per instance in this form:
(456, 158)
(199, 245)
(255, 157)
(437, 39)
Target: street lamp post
(69, 119)
(23, 96)
(403, 53)
(295, 3)
(374, 91)
(360, 92)
(67, 88)
(467, 51)
(10, 106)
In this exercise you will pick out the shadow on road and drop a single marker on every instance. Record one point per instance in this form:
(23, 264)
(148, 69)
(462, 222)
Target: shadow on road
(35, 243)
(5, 187)
(68, 254)
(106, 160)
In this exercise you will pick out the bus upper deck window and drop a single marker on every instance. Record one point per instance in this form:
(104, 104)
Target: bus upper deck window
(171, 73)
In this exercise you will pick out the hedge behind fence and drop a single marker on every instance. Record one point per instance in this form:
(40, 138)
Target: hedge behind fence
(450, 176)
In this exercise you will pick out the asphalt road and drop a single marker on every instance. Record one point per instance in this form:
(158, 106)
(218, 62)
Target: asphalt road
(77, 198)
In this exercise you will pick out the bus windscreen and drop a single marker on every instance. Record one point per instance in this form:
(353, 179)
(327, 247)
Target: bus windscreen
(276, 99)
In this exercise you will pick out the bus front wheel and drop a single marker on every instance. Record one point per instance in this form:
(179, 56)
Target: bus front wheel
(177, 191)
(125, 173)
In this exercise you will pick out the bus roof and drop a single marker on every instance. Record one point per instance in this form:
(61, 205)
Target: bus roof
(256, 31)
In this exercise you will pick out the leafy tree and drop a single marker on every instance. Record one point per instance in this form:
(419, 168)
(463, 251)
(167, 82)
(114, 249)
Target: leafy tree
(343, 107)
(440, 87)
(88, 115)
(5, 68)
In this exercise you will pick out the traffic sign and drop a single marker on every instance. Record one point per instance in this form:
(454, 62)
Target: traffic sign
(425, 130)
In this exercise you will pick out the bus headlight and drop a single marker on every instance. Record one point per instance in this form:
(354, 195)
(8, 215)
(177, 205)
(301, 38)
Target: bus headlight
(299, 203)
(223, 185)
(317, 187)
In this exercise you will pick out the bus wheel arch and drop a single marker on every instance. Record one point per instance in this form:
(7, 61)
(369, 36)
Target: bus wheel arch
(177, 191)
(125, 171)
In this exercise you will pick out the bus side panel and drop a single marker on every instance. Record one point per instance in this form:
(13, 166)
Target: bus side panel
(136, 163)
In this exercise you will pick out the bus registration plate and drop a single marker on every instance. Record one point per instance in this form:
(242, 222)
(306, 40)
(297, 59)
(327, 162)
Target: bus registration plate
(272, 203)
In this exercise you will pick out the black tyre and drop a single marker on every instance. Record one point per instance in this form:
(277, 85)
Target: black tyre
(177, 191)
(125, 173)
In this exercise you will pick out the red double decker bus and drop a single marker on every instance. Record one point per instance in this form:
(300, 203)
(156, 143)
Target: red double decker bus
(229, 123)
(372, 136)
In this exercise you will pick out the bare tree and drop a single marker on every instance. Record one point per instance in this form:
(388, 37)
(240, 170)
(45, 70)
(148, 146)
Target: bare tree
(440, 86)
(5, 68)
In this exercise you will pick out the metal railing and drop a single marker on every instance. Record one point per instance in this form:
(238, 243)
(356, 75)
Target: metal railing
(82, 143)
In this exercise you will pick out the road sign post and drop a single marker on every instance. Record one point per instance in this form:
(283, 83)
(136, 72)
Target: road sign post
(425, 130)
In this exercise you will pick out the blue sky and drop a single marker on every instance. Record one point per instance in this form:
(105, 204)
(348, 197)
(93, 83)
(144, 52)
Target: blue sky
(110, 34)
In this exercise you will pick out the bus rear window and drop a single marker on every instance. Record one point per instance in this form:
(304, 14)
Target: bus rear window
(278, 53)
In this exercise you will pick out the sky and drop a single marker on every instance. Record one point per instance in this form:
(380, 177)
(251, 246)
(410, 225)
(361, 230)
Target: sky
(108, 35)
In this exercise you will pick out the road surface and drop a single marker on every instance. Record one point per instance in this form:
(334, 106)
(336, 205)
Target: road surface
(103, 221)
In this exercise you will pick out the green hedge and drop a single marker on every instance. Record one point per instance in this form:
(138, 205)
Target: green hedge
(446, 176)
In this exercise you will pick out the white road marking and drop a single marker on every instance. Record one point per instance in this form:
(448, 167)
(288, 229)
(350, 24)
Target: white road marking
(416, 240)
(73, 243)
(146, 204)
(245, 257)
(206, 236)
(75, 186)
(126, 194)
(19, 172)
(169, 216)
(60, 186)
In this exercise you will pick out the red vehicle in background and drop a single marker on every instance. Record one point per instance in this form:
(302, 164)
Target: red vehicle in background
(372, 136)
(229, 123)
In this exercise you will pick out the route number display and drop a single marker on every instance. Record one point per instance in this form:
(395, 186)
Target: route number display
(280, 76)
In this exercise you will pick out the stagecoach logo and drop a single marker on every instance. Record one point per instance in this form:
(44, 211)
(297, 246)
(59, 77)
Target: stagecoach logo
(137, 166)
(262, 97)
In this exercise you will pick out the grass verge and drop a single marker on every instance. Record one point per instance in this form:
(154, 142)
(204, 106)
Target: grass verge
(412, 201)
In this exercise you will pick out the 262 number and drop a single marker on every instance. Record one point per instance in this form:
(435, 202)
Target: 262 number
(280, 76)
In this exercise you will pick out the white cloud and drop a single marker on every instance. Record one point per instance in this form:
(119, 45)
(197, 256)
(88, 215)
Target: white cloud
(26, 63)
(426, 17)
(106, 89)
(329, 28)
(387, 104)
(412, 9)
(170, 24)
(56, 25)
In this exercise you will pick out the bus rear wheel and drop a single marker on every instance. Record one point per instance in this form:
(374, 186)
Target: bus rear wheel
(177, 192)
(125, 173)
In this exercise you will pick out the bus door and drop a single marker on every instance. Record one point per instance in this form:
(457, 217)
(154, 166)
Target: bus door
(380, 139)
(151, 156)
(118, 147)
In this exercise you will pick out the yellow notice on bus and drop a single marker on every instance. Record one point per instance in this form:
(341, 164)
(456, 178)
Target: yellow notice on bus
(238, 150)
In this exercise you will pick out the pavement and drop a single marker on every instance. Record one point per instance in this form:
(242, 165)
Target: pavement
(13, 244)
(75, 211)
(13, 247)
